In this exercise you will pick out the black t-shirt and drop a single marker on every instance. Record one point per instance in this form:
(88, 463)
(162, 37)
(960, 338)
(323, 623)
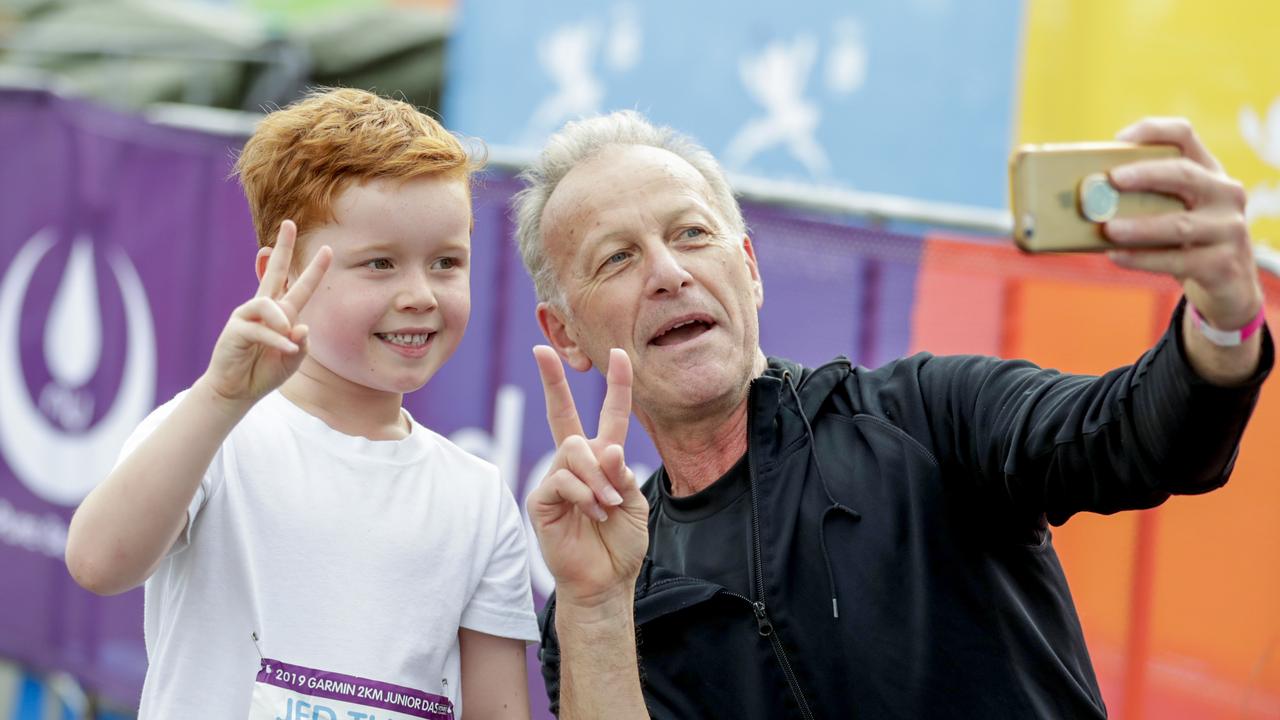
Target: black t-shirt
(717, 517)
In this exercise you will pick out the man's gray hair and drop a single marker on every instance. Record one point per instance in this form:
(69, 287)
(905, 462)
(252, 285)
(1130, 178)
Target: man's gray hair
(582, 140)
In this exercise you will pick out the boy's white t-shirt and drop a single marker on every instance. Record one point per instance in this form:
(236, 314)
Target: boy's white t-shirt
(342, 554)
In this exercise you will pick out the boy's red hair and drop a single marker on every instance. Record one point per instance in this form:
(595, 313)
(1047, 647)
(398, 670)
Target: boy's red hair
(301, 157)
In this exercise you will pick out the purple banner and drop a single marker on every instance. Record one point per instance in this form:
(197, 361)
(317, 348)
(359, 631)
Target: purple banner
(124, 247)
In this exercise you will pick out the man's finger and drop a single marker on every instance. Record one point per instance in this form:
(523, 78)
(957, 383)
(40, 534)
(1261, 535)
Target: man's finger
(1191, 183)
(278, 262)
(301, 291)
(1170, 131)
(1180, 263)
(560, 488)
(614, 465)
(562, 415)
(615, 414)
(1177, 229)
(578, 457)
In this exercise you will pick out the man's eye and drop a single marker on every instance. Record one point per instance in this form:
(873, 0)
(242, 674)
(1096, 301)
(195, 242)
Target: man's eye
(692, 233)
(379, 264)
(616, 258)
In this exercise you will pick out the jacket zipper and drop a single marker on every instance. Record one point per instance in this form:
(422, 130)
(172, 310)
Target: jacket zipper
(765, 626)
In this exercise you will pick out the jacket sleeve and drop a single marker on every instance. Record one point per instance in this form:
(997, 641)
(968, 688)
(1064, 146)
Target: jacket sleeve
(549, 654)
(1056, 444)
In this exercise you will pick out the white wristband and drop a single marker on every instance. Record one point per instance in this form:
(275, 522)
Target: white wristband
(1227, 338)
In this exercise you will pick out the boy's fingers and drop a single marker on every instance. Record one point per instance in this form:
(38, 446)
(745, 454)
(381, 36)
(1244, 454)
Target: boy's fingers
(615, 413)
(278, 262)
(307, 283)
(577, 456)
(264, 310)
(562, 415)
(259, 334)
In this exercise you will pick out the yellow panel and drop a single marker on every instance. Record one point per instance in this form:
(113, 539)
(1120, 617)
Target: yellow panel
(1093, 66)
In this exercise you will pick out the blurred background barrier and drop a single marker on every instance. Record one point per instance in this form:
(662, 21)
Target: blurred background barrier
(873, 179)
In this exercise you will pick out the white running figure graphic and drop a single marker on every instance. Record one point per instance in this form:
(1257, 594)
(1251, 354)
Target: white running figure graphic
(569, 55)
(776, 79)
(1264, 138)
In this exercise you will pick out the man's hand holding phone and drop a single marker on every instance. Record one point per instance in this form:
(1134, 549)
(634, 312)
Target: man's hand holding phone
(1198, 235)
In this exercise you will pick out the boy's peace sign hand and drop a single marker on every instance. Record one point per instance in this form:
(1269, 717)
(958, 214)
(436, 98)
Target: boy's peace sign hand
(263, 343)
(593, 552)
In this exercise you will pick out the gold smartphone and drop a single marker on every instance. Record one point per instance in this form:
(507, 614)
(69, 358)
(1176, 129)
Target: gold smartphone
(1060, 195)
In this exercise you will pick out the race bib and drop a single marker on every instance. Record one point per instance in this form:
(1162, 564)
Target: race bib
(292, 692)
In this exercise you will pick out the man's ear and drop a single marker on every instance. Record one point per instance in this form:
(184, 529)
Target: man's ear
(557, 333)
(757, 286)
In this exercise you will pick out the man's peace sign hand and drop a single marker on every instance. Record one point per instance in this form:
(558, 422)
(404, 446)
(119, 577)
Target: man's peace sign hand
(263, 343)
(588, 512)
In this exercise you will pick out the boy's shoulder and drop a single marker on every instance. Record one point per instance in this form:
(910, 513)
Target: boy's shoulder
(450, 453)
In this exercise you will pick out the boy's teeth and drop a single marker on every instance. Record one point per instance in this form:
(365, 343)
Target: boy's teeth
(401, 339)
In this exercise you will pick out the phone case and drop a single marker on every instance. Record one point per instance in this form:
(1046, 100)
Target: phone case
(1056, 188)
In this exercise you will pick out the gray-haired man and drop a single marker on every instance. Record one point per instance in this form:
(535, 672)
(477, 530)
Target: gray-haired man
(839, 542)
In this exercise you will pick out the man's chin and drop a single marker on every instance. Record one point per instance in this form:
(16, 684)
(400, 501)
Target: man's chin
(697, 388)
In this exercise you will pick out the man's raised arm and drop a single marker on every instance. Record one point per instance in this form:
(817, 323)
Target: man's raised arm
(591, 521)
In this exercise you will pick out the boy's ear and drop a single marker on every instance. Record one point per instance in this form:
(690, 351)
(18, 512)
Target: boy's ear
(260, 262)
(557, 333)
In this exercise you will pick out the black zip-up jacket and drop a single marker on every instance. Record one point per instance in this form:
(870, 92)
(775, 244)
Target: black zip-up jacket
(902, 566)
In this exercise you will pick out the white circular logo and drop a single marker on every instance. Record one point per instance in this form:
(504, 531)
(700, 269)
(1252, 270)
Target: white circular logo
(62, 463)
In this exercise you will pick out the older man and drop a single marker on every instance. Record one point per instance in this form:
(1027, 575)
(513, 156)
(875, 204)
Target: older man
(840, 542)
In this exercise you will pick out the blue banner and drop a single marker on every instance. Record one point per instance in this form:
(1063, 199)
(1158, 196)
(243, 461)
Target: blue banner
(910, 98)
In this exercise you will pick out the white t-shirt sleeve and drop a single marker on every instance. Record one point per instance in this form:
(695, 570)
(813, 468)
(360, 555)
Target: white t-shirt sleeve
(148, 425)
(503, 601)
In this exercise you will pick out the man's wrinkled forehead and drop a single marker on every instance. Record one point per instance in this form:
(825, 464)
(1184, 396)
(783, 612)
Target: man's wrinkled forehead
(591, 193)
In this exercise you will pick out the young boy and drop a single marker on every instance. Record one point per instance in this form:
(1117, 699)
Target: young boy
(286, 500)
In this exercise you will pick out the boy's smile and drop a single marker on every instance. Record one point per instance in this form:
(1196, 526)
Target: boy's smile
(409, 342)
(396, 300)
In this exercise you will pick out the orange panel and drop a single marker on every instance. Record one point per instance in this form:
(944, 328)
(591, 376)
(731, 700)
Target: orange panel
(1216, 625)
(1212, 629)
(1088, 328)
(942, 296)
(1083, 328)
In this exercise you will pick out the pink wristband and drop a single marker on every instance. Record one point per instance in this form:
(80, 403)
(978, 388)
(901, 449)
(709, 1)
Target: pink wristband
(1228, 338)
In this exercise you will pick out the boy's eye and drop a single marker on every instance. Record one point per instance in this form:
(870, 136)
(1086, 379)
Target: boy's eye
(379, 264)
(445, 263)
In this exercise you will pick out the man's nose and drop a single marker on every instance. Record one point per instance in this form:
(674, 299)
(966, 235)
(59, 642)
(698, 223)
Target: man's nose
(667, 274)
(415, 293)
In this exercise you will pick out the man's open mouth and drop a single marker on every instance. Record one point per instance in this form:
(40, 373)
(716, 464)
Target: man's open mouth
(682, 330)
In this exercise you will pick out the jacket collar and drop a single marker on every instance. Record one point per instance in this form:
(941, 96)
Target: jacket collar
(813, 385)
